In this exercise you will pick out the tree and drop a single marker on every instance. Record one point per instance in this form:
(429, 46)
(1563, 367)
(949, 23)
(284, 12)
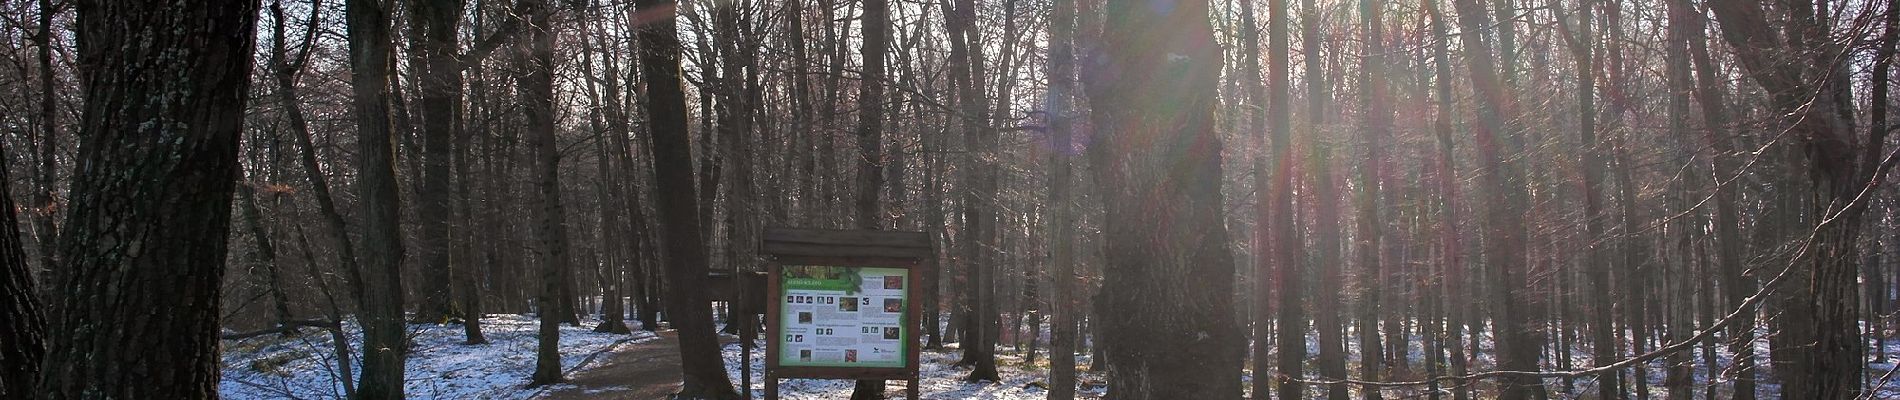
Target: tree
(611, 192)
(1454, 275)
(377, 282)
(435, 23)
(1504, 223)
(980, 175)
(550, 225)
(1603, 331)
(144, 245)
(877, 35)
(1327, 315)
(1062, 287)
(1378, 124)
(700, 363)
(1168, 272)
(23, 334)
(1736, 284)
(1841, 167)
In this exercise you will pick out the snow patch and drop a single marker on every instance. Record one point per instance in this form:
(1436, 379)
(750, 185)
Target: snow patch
(439, 366)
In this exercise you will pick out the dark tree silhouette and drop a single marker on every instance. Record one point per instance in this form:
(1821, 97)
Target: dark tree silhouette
(143, 247)
(1168, 274)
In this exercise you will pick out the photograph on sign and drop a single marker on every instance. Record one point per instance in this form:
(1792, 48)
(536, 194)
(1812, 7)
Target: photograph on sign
(849, 317)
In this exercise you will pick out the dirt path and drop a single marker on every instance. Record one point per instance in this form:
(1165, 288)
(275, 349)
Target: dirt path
(646, 370)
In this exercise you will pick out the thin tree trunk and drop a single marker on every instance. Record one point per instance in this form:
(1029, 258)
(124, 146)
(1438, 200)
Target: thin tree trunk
(44, 204)
(613, 255)
(266, 253)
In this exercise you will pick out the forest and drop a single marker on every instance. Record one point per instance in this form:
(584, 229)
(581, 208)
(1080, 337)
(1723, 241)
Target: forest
(1123, 199)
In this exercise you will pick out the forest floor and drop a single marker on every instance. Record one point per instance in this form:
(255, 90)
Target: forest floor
(645, 366)
(439, 366)
(940, 378)
(650, 370)
(644, 370)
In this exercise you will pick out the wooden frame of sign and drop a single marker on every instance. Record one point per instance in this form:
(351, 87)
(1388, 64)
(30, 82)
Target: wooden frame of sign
(795, 247)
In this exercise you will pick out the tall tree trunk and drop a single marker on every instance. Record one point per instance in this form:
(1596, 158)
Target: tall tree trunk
(1266, 227)
(1445, 107)
(638, 252)
(1597, 266)
(266, 255)
(378, 281)
(145, 243)
(1369, 238)
(44, 204)
(1516, 345)
(1327, 316)
(434, 26)
(979, 312)
(870, 178)
(549, 226)
(1679, 378)
(284, 70)
(1169, 273)
(1840, 165)
(700, 363)
(610, 192)
(1062, 287)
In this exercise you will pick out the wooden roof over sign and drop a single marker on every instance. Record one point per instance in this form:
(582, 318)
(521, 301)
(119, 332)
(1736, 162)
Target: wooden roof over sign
(779, 241)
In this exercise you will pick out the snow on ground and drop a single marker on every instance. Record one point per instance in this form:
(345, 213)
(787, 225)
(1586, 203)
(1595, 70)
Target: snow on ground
(440, 366)
(1767, 386)
(940, 378)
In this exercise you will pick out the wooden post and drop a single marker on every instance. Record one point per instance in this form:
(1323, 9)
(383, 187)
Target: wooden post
(772, 291)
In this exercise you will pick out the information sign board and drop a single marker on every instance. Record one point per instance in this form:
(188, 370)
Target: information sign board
(851, 317)
(839, 304)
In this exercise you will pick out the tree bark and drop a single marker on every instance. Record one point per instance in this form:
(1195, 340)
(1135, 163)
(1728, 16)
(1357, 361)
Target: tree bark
(1603, 329)
(145, 243)
(23, 335)
(378, 281)
(700, 363)
(870, 177)
(1327, 316)
(610, 192)
(1371, 232)
(1169, 273)
(550, 229)
(1824, 321)
(45, 205)
(1517, 350)
(1062, 305)
(434, 23)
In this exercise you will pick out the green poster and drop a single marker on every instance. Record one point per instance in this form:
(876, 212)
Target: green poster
(843, 316)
